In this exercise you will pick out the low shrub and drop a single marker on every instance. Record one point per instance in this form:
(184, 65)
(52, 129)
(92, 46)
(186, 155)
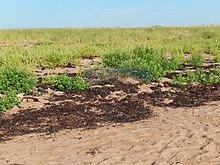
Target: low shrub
(144, 58)
(116, 59)
(196, 60)
(65, 82)
(216, 58)
(19, 81)
(8, 101)
(89, 50)
(200, 75)
(57, 56)
(12, 82)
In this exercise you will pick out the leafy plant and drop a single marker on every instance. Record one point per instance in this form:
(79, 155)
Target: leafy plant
(53, 60)
(116, 59)
(49, 79)
(216, 58)
(144, 58)
(88, 50)
(196, 60)
(177, 60)
(65, 82)
(200, 75)
(8, 101)
(208, 35)
(19, 81)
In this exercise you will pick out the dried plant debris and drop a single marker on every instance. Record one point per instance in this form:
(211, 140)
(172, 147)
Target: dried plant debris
(93, 107)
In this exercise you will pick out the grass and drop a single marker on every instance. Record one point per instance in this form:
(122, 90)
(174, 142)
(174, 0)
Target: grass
(55, 47)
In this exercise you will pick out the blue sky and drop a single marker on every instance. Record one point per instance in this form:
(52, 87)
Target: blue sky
(107, 13)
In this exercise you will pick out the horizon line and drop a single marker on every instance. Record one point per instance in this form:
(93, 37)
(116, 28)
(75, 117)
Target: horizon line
(111, 27)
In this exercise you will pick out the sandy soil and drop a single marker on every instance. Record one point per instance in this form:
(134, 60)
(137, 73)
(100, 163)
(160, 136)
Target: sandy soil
(183, 129)
(174, 136)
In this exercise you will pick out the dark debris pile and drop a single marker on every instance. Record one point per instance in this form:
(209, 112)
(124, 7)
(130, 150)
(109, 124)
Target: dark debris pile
(90, 108)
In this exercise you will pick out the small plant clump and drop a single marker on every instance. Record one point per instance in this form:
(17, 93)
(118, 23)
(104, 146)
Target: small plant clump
(19, 81)
(216, 58)
(12, 82)
(145, 58)
(8, 101)
(200, 75)
(65, 82)
(196, 60)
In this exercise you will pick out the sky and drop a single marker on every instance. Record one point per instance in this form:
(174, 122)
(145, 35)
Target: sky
(107, 13)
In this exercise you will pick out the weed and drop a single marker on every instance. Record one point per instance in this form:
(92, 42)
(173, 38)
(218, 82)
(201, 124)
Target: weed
(200, 75)
(196, 60)
(8, 101)
(57, 47)
(65, 82)
(116, 58)
(49, 79)
(144, 58)
(216, 58)
(208, 35)
(19, 81)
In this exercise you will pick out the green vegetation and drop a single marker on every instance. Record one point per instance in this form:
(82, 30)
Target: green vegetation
(196, 60)
(65, 82)
(12, 82)
(8, 101)
(216, 58)
(200, 75)
(145, 58)
(156, 51)
(19, 81)
(56, 47)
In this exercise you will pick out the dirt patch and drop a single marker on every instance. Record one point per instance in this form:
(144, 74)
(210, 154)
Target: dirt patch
(186, 96)
(113, 101)
(175, 136)
(115, 122)
(95, 107)
(91, 112)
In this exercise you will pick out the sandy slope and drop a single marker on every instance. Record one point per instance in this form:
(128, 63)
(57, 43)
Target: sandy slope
(174, 136)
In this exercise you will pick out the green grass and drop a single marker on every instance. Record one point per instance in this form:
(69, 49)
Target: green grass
(216, 58)
(57, 47)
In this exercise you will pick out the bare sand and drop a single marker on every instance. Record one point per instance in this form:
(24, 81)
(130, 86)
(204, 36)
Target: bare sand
(189, 136)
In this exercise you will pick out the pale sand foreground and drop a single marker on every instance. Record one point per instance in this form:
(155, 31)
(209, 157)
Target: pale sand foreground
(175, 136)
